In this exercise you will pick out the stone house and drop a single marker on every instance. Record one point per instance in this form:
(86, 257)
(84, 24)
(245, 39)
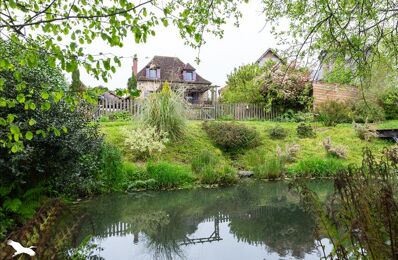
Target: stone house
(181, 77)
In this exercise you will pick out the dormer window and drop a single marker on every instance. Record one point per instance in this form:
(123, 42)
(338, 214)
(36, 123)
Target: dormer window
(189, 75)
(153, 73)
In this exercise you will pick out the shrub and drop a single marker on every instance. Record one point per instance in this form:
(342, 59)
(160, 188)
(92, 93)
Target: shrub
(277, 132)
(368, 111)
(292, 116)
(272, 169)
(332, 113)
(166, 112)
(392, 154)
(305, 131)
(335, 151)
(317, 167)
(231, 137)
(365, 131)
(389, 101)
(120, 116)
(290, 153)
(210, 170)
(145, 142)
(168, 175)
(112, 169)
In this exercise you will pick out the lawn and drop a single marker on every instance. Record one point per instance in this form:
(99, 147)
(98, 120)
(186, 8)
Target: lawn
(195, 140)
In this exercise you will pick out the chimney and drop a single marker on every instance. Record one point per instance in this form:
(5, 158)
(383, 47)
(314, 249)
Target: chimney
(135, 65)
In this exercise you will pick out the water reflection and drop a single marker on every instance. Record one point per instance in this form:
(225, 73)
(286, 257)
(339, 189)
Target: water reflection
(247, 221)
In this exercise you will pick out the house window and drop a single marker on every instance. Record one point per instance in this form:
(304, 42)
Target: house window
(188, 75)
(152, 73)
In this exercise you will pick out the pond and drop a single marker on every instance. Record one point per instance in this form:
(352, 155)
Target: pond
(252, 220)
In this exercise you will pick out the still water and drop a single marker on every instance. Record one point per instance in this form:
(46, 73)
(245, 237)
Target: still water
(252, 220)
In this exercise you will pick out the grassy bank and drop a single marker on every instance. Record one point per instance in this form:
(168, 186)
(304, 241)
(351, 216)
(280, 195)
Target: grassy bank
(188, 147)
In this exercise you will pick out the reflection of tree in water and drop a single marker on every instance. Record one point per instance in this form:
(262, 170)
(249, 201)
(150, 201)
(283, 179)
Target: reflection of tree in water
(280, 229)
(262, 214)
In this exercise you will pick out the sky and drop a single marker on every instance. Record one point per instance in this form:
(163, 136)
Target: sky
(218, 57)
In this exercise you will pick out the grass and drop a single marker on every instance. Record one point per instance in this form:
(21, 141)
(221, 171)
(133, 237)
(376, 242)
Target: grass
(189, 146)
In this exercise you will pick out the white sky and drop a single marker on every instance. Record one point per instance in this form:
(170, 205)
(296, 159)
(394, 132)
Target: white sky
(218, 56)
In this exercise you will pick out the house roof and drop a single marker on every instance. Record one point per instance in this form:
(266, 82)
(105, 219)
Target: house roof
(170, 70)
(273, 53)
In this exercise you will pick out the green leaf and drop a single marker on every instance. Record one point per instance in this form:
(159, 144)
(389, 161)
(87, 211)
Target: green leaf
(12, 204)
(56, 132)
(32, 106)
(65, 129)
(29, 135)
(32, 122)
(45, 106)
(21, 98)
(45, 95)
(14, 129)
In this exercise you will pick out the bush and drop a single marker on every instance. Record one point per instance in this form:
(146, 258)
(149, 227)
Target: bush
(120, 116)
(111, 168)
(145, 142)
(305, 131)
(335, 151)
(392, 154)
(292, 116)
(365, 131)
(272, 169)
(231, 137)
(290, 153)
(277, 132)
(317, 167)
(168, 175)
(389, 101)
(367, 111)
(165, 111)
(210, 170)
(332, 113)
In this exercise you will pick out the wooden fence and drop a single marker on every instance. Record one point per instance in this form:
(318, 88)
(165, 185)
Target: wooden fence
(219, 111)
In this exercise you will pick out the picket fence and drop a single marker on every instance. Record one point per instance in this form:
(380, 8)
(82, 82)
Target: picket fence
(219, 111)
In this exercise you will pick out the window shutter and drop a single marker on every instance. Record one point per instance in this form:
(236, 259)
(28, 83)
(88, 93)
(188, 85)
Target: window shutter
(194, 75)
(158, 73)
(147, 72)
(184, 75)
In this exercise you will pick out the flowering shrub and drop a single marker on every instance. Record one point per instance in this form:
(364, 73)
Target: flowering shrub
(290, 153)
(365, 131)
(144, 142)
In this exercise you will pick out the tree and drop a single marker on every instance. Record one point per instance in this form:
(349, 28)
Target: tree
(242, 85)
(357, 31)
(132, 86)
(59, 29)
(77, 86)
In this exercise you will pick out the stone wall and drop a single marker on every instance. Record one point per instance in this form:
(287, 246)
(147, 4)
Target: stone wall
(323, 92)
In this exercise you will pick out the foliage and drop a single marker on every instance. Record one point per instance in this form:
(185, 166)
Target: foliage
(166, 112)
(334, 151)
(365, 131)
(287, 87)
(277, 132)
(168, 175)
(292, 116)
(340, 73)
(317, 167)
(361, 217)
(111, 168)
(327, 34)
(231, 137)
(289, 154)
(62, 30)
(132, 86)
(210, 170)
(367, 110)
(392, 154)
(277, 86)
(331, 113)
(389, 100)
(242, 85)
(119, 116)
(305, 131)
(272, 168)
(145, 142)
(76, 86)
